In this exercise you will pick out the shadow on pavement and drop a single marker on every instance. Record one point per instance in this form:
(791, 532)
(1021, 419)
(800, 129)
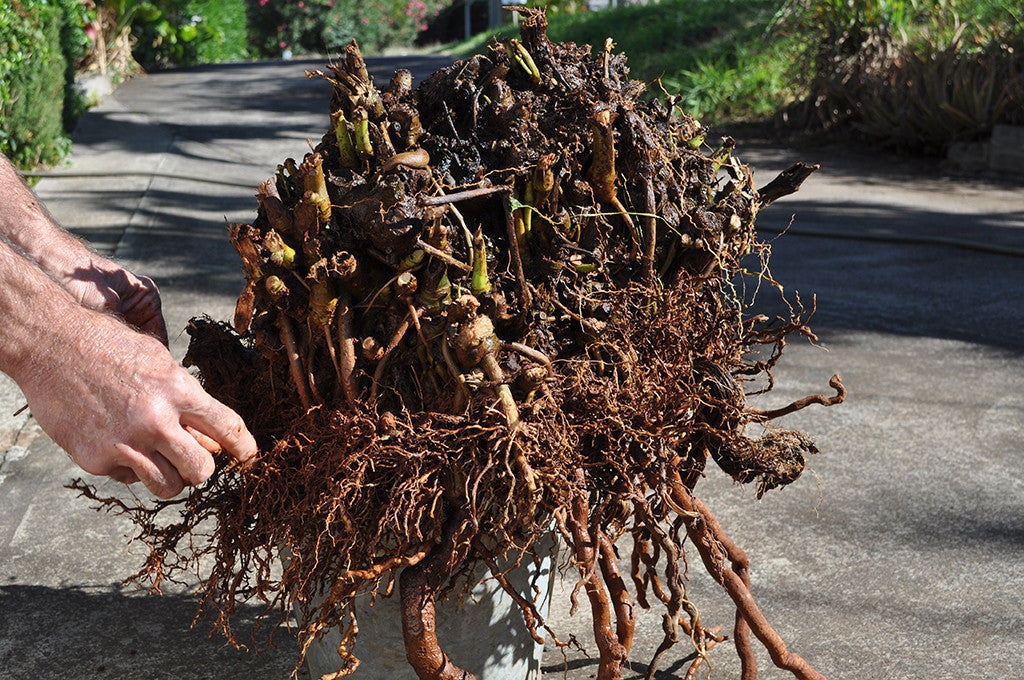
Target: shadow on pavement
(108, 633)
(880, 220)
(247, 104)
(912, 290)
(671, 668)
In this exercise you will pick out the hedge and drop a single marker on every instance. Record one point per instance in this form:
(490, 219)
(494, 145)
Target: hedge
(40, 41)
(327, 26)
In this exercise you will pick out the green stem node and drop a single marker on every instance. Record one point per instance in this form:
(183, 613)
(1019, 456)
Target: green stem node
(346, 149)
(480, 283)
(362, 134)
(280, 252)
(322, 303)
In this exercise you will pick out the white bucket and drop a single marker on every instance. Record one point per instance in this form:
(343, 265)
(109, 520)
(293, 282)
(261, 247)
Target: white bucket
(484, 634)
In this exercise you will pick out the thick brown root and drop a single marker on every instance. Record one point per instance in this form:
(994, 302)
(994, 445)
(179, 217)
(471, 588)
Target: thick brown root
(418, 588)
(725, 561)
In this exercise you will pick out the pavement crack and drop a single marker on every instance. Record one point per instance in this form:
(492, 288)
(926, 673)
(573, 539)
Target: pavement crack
(122, 250)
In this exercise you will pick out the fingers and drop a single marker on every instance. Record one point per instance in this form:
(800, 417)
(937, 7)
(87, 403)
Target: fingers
(141, 307)
(186, 427)
(185, 460)
(220, 426)
(154, 323)
(167, 425)
(193, 463)
(209, 444)
(153, 470)
(123, 474)
(181, 462)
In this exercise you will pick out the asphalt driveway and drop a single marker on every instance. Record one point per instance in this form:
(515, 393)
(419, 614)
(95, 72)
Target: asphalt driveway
(900, 554)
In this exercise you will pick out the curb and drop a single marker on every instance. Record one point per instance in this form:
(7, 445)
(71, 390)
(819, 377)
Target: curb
(1003, 152)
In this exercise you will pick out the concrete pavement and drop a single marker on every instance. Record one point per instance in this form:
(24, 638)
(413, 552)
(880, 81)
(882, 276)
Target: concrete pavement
(898, 556)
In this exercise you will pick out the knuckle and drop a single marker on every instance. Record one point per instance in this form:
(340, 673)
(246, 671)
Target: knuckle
(167, 489)
(206, 470)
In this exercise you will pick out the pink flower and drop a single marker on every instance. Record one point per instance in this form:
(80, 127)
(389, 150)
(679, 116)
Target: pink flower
(301, 4)
(263, 3)
(366, 20)
(282, 44)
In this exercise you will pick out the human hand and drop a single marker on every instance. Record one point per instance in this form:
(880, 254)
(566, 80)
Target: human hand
(137, 415)
(112, 397)
(104, 286)
(93, 280)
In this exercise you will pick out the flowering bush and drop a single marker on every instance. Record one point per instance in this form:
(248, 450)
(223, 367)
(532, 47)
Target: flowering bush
(326, 26)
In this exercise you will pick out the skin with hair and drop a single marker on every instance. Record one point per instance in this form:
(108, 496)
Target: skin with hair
(85, 341)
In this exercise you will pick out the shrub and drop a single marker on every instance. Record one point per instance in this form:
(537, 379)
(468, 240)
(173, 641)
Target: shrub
(296, 26)
(931, 98)
(74, 43)
(40, 41)
(326, 26)
(223, 33)
(913, 75)
(378, 25)
(189, 32)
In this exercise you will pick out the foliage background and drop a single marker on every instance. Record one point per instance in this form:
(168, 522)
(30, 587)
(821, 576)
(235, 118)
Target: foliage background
(40, 42)
(911, 74)
(190, 32)
(326, 26)
(916, 75)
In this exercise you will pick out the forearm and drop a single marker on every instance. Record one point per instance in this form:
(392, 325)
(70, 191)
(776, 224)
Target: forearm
(25, 222)
(34, 309)
(92, 280)
(112, 397)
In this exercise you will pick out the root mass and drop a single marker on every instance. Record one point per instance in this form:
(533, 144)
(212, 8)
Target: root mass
(505, 303)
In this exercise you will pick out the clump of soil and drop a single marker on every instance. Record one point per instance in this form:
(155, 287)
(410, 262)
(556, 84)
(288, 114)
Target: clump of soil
(502, 304)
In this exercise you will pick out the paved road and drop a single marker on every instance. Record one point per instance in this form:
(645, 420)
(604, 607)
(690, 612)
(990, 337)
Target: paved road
(898, 556)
